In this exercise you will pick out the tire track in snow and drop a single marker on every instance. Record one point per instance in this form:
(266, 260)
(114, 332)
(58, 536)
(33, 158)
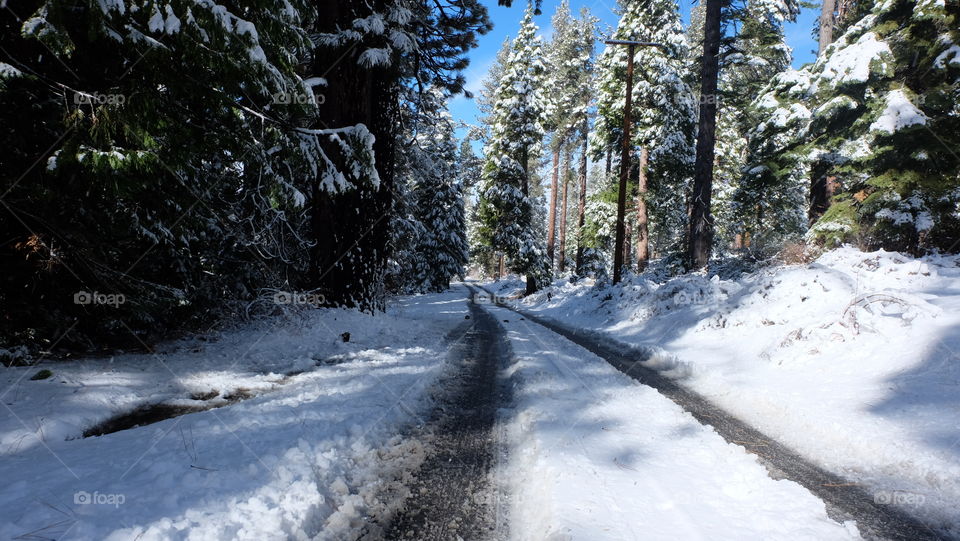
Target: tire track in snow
(844, 500)
(455, 495)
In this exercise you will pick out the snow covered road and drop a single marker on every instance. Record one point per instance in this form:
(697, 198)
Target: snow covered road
(394, 434)
(594, 455)
(456, 494)
(846, 501)
(851, 361)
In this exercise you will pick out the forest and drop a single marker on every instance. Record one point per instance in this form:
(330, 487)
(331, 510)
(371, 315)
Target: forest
(170, 165)
(579, 270)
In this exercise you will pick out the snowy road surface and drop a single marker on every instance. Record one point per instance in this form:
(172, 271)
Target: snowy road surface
(851, 361)
(596, 456)
(456, 493)
(845, 500)
(365, 440)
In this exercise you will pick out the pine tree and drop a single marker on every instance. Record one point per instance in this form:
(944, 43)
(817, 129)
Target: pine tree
(875, 120)
(488, 91)
(171, 153)
(600, 222)
(440, 200)
(482, 253)
(428, 227)
(742, 45)
(370, 51)
(748, 62)
(569, 56)
(193, 157)
(408, 270)
(506, 209)
(664, 111)
(483, 257)
(700, 238)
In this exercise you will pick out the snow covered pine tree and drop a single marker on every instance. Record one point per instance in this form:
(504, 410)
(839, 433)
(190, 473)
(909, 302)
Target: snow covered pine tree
(169, 171)
(505, 209)
(877, 115)
(664, 117)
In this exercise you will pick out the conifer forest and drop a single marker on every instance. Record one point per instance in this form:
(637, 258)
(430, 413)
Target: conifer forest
(479, 269)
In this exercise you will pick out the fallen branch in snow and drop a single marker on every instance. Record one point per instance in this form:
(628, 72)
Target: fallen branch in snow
(864, 301)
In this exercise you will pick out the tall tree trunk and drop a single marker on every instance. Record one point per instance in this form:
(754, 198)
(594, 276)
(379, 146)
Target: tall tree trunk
(820, 192)
(701, 221)
(627, 228)
(826, 24)
(582, 196)
(643, 236)
(627, 246)
(350, 230)
(552, 214)
(625, 162)
(562, 263)
(532, 286)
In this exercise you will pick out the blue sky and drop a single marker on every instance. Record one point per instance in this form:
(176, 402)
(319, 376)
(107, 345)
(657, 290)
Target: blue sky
(507, 20)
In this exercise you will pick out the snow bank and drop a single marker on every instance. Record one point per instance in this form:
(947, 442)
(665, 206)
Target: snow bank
(309, 456)
(851, 360)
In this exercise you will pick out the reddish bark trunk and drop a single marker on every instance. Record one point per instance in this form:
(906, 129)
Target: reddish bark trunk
(552, 214)
(562, 263)
(582, 198)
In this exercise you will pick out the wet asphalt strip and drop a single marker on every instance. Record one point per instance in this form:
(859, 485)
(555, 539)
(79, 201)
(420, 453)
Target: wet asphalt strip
(455, 495)
(844, 500)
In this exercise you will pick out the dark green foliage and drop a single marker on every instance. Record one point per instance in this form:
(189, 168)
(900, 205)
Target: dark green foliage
(165, 164)
(877, 117)
(135, 164)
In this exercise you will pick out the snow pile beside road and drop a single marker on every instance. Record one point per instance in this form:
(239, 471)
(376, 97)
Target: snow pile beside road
(308, 456)
(596, 456)
(851, 360)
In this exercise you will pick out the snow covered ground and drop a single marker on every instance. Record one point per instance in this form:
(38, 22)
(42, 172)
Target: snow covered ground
(594, 455)
(851, 360)
(308, 455)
